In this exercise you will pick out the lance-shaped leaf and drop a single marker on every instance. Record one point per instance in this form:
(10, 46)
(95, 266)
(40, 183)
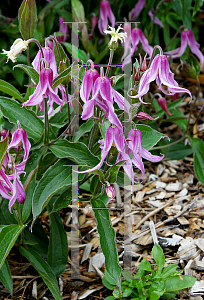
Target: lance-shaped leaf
(5, 277)
(27, 118)
(107, 240)
(58, 246)
(8, 237)
(84, 128)
(3, 149)
(32, 73)
(198, 150)
(77, 11)
(55, 178)
(179, 282)
(61, 77)
(75, 151)
(9, 89)
(27, 16)
(43, 269)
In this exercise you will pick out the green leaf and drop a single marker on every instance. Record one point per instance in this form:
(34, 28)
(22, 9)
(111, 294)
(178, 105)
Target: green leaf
(150, 137)
(107, 240)
(32, 73)
(3, 150)
(169, 271)
(54, 179)
(61, 77)
(77, 11)
(43, 269)
(182, 122)
(27, 205)
(62, 201)
(178, 283)
(198, 150)
(197, 5)
(178, 151)
(191, 66)
(112, 173)
(9, 89)
(127, 292)
(75, 151)
(28, 120)
(58, 246)
(76, 52)
(27, 16)
(159, 257)
(84, 128)
(103, 128)
(5, 277)
(8, 237)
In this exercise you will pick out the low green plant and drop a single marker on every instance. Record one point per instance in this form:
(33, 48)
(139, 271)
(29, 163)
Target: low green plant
(148, 284)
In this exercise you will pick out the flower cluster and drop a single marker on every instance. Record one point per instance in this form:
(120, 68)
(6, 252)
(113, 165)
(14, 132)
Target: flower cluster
(11, 187)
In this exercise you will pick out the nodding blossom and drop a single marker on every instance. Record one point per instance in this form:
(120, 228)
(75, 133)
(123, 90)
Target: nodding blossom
(63, 29)
(105, 13)
(134, 13)
(44, 90)
(17, 48)
(115, 36)
(103, 95)
(110, 192)
(137, 36)
(187, 38)
(11, 187)
(160, 71)
(155, 19)
(163, 105)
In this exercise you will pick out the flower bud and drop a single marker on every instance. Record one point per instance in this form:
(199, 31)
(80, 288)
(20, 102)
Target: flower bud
(110, 191)
(18, 46)
(163, 104)
(142, 116)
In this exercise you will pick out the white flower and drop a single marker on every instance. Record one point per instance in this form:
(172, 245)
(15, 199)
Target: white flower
(115, 36)
(18, 46)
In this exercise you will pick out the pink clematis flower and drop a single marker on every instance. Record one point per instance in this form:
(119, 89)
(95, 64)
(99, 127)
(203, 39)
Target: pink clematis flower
(49, 57)
(114, 137)
(134, 13)
(20, 137)
(110, 192)
(104, 96)
(187, 38)
(63, 29)
(155, 19)
(160, 71)
(86, 88)
(105, 13)
(134, 146)
(43, 90)
(10, 185)
(137, 36)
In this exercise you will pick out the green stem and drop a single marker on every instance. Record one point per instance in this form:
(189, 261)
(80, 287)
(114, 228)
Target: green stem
(109, 62)
(68, 108)
(169, 145)
(63, 133)
(94, 134)
(2, 200)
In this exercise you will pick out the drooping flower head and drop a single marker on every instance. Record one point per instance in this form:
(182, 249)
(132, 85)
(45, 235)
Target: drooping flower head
(44, 90)
(105, 13)
(187, 38)
(134, 13)
(137, 36)
(110, 192)
(115, 36)
(160, 71)
(17, 48)
(49, 57)
(63, 29)
(151, 14)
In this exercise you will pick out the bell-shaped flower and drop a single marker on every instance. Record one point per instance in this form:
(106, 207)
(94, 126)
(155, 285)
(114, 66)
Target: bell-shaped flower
(134, 146)
(63, 29)
(94, 21)
(44, 90)
(17, 48)
(20, 137)
(88, 81)
(134, 13)
(105, 13)
(142, 116)
(160, 71)
(104, 96)
(49, 57)
(187, 38)
(155, 19)
(114, 137)
(18, 192)
(137, 36)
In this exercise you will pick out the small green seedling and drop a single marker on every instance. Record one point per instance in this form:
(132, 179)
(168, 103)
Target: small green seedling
(147, 284)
